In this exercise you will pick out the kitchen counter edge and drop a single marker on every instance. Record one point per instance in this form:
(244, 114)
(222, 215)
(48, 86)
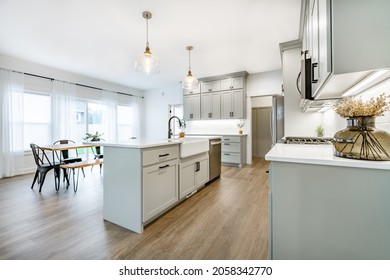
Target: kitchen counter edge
(319, 155)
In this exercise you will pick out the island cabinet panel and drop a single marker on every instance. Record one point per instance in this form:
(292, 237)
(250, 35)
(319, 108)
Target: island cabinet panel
(325, 212)
(139, 183)
(157, 155)
(193, 173)
(160, 189)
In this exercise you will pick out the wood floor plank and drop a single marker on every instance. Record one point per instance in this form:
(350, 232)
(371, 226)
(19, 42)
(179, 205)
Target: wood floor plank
(228, 219)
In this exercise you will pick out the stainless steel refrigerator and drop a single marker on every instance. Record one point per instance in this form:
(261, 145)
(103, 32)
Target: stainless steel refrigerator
(277, 119)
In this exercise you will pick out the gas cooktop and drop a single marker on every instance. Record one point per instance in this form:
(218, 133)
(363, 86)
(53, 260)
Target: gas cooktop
(307, 140)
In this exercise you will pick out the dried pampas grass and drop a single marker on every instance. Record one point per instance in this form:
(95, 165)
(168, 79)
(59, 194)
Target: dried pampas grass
(351, 107)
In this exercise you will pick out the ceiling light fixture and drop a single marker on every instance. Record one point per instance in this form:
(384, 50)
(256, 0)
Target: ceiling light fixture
(146, 62)
(190, 82)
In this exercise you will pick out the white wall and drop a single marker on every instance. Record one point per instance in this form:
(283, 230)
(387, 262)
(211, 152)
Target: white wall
(156, 112)
(296, 123)
(264, 83)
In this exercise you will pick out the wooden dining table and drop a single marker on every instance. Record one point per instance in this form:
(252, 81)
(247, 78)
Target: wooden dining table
(63, 147)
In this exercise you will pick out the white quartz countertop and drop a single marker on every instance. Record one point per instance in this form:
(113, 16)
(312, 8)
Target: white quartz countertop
(149, 142)
(318, 154)
(216, 135)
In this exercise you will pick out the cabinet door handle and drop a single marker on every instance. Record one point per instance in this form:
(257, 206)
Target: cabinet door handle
(197, 166)
(162, 167)
(314, 78)
(209, 89)
(191, 116)
(164, 155)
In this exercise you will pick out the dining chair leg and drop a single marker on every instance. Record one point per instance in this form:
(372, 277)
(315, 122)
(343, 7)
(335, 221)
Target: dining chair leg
(57, 179)
(35, 178)
(41, 180)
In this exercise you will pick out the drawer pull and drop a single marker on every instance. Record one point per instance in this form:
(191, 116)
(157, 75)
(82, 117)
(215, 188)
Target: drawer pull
(165, 166)
(227, 144)
(164, 155)
(226, 154)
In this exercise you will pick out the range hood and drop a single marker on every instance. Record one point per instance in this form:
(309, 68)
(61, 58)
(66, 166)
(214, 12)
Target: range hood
(339, 86)
(308, 105)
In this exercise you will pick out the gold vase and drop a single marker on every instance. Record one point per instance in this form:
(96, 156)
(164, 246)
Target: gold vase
(362, 140)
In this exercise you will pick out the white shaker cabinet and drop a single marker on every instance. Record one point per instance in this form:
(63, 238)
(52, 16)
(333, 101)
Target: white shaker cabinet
(160, 189)
(210, 105)
(191, 104)
(194, 173)
(347, 42)
(232, 83)
(210, 86)
(233, 150)
(232, 104)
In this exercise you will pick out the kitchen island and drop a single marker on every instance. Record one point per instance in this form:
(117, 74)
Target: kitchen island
(141, 177)
(326, 207)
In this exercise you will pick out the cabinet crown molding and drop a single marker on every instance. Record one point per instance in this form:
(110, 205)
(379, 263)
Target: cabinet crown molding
(225, 76)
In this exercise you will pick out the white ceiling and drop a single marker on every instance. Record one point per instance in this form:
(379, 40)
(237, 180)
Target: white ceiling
(102, 39)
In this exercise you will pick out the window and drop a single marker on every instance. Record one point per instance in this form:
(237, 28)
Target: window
(37, 116)
(126, 123)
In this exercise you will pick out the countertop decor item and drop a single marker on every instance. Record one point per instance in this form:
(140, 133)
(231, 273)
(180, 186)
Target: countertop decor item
(361, 139)
(240, 125)
(182, 128)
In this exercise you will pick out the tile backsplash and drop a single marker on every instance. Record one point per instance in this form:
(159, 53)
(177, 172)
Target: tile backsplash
(334, 123)
(213, 127)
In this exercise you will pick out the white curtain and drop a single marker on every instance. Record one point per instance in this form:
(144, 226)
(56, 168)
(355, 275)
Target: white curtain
(11, 123)
(109, 115)
(137, 104)
(63, 108)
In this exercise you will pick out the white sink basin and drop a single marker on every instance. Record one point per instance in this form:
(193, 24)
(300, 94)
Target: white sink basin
(193, 146)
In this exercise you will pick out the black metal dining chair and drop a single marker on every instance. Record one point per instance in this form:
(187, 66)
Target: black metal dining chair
(44, 165)
(65, 158)
(97, 155)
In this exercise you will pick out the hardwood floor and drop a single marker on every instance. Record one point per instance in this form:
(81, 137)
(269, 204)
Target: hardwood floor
(228, 219)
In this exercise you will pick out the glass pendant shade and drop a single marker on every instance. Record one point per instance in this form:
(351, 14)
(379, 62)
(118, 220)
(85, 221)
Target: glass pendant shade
(190, 82)
(147, 63)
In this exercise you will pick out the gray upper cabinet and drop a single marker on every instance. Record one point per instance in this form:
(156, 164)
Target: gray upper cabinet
(221, 97)
(210, 86)
(210, 105)
(232, 83)
(347, 41)
(194, 91)
(191, 106)
(232, 104)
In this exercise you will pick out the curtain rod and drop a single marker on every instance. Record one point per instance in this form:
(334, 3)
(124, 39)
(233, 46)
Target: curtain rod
(80, 85)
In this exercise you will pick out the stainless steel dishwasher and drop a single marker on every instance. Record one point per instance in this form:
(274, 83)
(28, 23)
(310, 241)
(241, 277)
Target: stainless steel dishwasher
(214, 158)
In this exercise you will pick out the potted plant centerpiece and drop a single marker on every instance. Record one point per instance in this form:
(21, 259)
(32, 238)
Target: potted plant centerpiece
(94, 137)
(320, 131)
(361, 139)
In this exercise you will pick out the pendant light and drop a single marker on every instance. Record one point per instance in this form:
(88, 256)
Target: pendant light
(146, 62)
(190, 82)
